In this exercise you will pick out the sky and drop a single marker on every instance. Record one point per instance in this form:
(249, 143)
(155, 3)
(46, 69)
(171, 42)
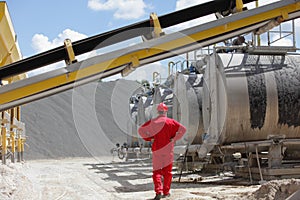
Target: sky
(41, 25)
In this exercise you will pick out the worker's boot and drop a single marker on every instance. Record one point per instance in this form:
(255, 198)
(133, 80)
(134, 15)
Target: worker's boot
(158, 197)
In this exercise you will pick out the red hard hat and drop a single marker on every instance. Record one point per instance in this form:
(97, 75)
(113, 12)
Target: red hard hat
(162, 107)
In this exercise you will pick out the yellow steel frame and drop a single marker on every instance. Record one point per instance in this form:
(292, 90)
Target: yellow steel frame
(142, 54)
(157, 28)
(239, 5)
(4, 141)
(9, 52)
(71, 55)
(19, 144)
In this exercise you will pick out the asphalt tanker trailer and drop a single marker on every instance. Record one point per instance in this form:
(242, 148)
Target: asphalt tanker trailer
(242, 112)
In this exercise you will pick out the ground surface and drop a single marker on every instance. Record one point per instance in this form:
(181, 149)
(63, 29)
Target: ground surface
(87, 122)
(91, 178)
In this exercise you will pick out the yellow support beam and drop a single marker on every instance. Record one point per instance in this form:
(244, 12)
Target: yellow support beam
(135, 61)
(9, 53)
(4, 144)
(9, 48)
(19, 147)
(128, 58)
(22, 149)
(71, 55)
(239, 5)
(13, 145)
(156, 24)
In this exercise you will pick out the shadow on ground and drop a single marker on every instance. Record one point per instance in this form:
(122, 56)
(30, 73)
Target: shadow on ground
(136, 176)
(130, 176)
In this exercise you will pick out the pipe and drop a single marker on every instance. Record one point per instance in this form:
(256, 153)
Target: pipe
(270, 25)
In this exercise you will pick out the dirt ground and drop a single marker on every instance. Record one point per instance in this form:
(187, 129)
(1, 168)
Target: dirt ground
(95, 178)
(103, 178)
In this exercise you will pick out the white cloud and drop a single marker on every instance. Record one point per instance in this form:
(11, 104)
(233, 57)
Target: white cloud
(123, 9)
(181, 4)
(41, 43)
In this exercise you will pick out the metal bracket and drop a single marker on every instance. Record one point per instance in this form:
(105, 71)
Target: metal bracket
(69, 49)
(156, 78)
(135, 62)
(157, 32)
(284, 15)
(271, 24)
(239, 5)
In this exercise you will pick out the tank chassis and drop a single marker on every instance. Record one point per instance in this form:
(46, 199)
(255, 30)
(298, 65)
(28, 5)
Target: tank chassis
(248, 115)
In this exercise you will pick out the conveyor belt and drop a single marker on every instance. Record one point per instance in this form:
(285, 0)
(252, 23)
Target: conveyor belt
(131, 31)
(110, 63)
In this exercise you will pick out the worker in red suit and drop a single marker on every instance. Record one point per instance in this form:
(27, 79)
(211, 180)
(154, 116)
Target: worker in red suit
(163, 132)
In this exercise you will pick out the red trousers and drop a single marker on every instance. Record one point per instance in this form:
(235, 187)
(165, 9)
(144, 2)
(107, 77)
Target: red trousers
(164, 173)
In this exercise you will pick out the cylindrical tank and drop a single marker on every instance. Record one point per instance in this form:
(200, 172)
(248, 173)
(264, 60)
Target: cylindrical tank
(187, 106)
(257, 98)
(263, 97)
(241, 98)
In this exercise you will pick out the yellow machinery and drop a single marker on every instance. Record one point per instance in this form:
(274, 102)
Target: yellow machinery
(155, 46)
(128, 59)
(12, 129)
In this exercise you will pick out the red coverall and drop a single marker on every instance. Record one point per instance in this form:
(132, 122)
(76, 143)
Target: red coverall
(164, 131)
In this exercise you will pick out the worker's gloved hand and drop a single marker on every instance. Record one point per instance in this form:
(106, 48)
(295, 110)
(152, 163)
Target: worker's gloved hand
(152, 140)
